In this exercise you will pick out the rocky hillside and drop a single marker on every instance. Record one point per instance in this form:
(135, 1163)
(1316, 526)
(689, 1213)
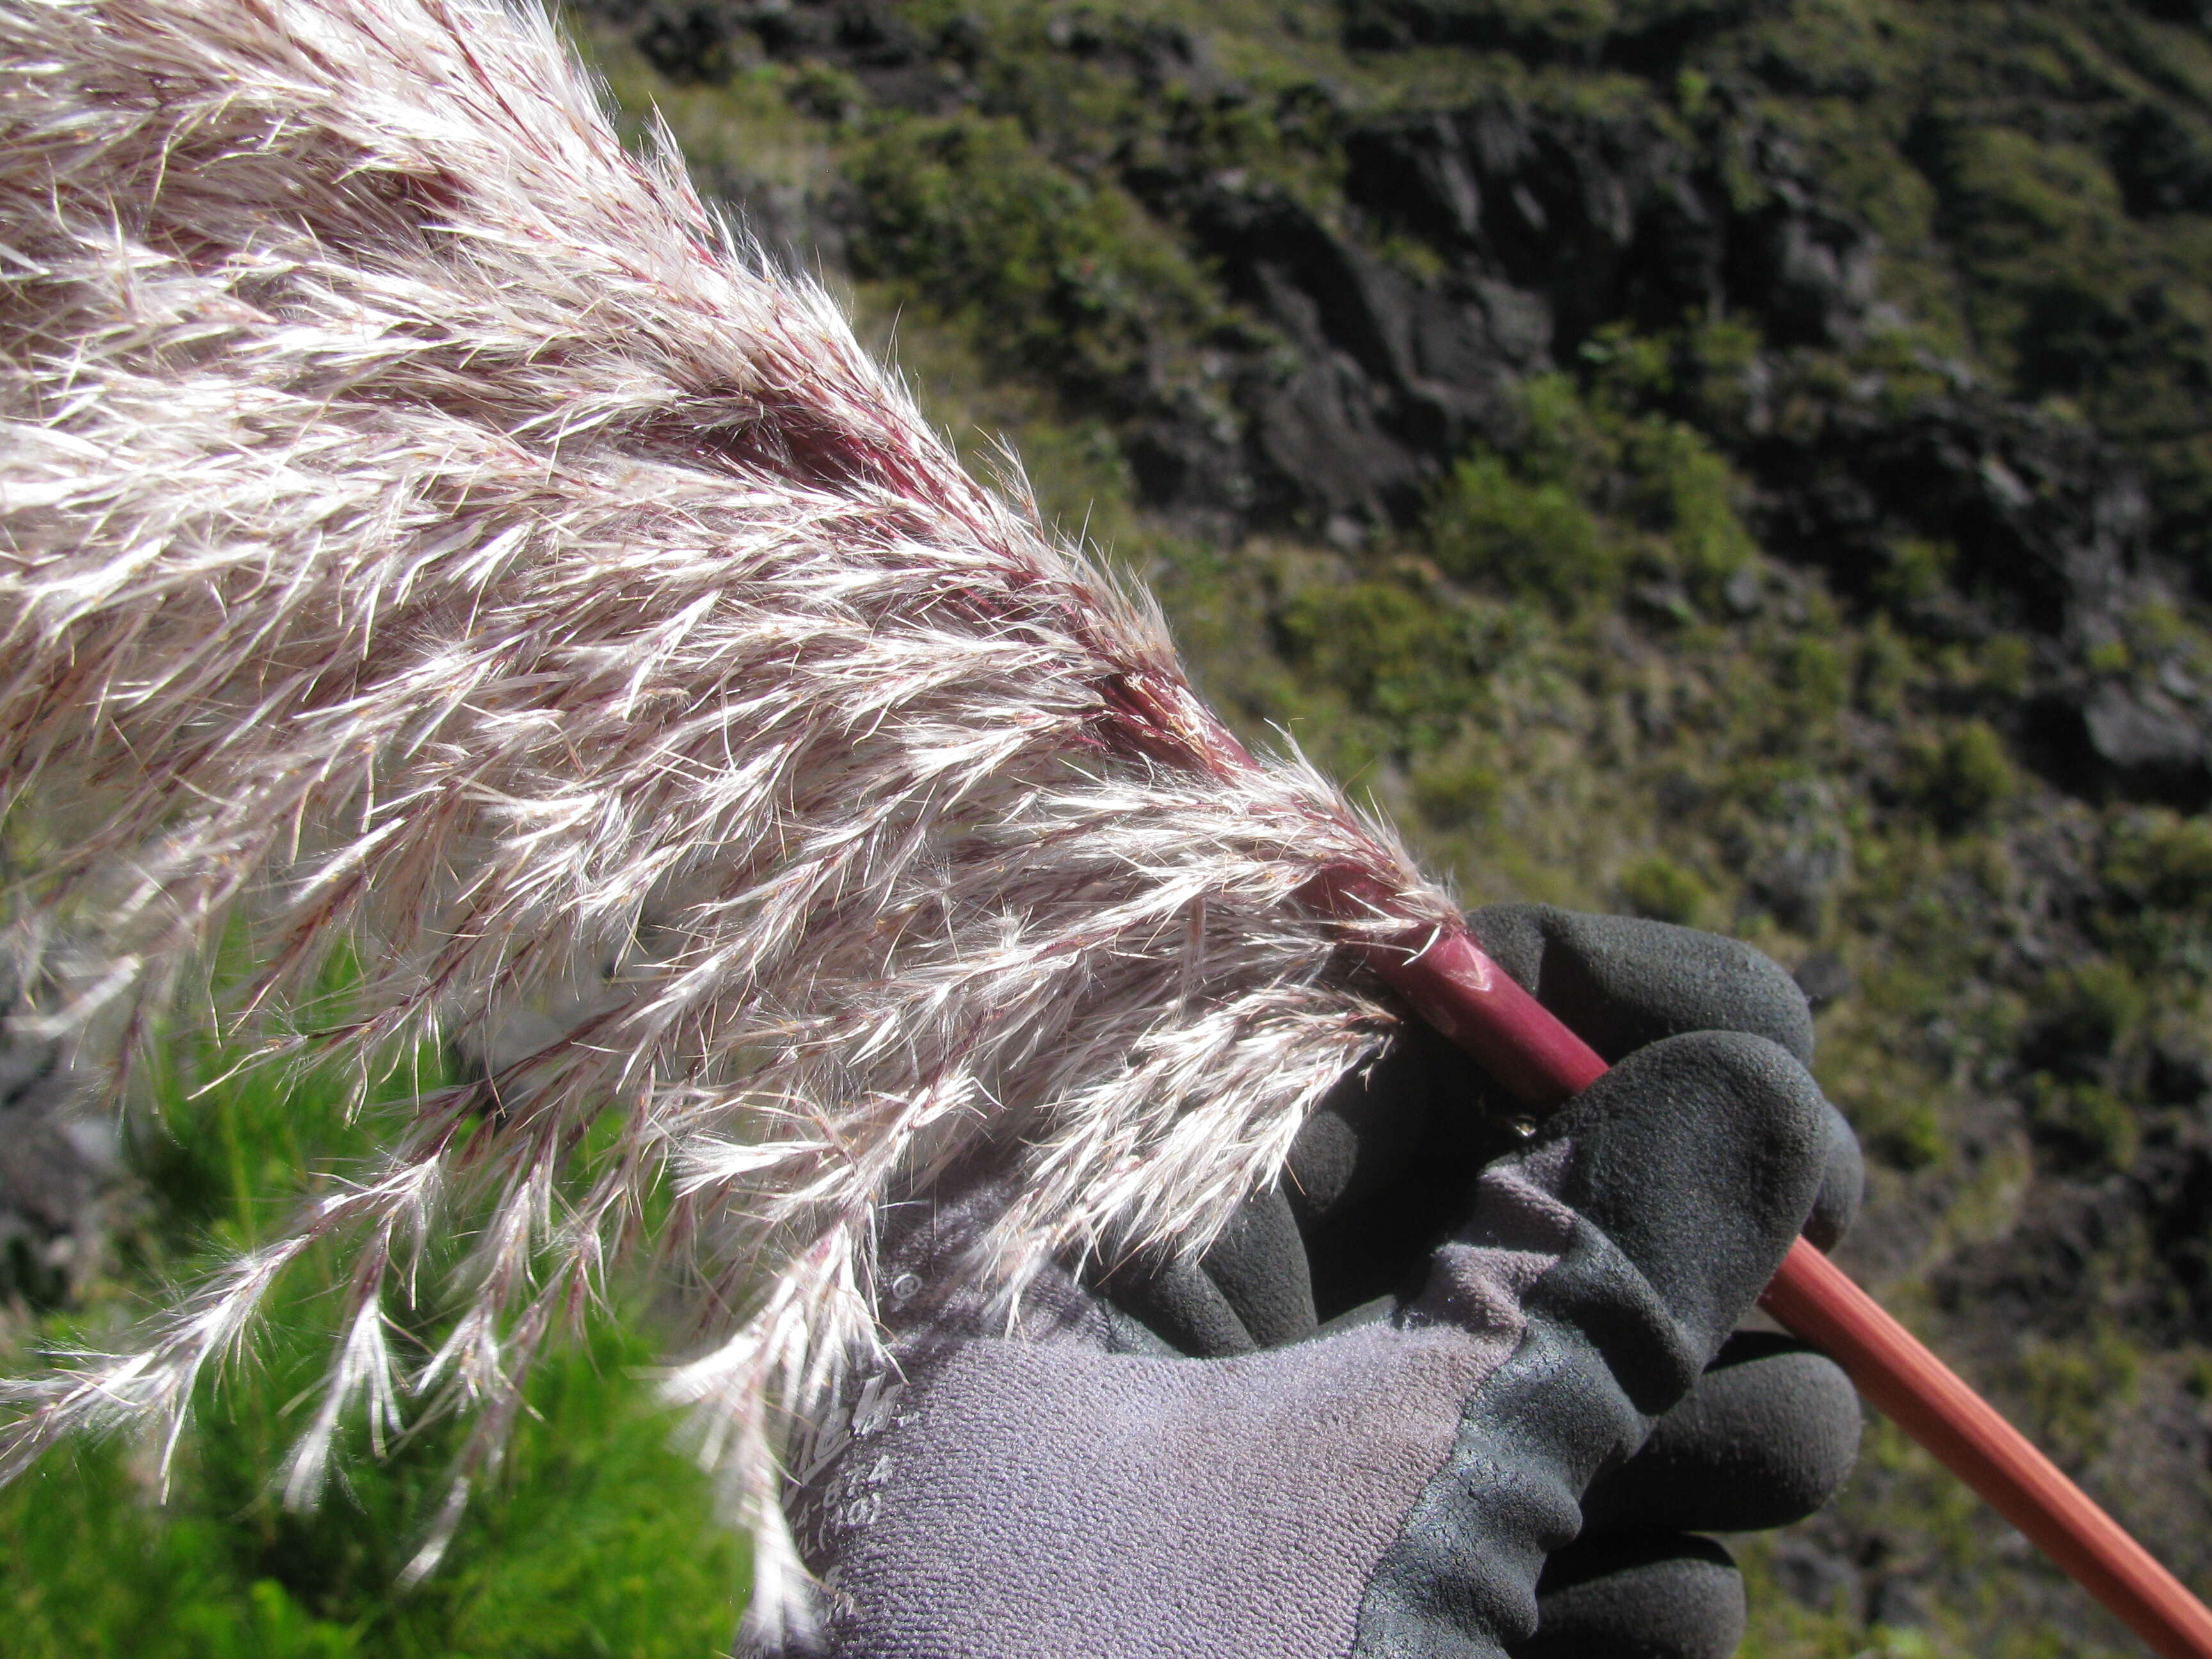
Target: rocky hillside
(1746, 461)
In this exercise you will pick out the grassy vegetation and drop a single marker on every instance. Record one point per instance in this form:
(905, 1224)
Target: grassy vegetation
(598, 1539)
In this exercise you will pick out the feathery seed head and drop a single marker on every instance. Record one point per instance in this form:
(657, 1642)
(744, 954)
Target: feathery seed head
(427, 528)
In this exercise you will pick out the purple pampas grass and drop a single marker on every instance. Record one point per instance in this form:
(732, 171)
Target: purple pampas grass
(428, 530)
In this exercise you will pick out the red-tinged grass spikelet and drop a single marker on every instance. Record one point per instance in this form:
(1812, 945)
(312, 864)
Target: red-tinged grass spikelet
(428, 530)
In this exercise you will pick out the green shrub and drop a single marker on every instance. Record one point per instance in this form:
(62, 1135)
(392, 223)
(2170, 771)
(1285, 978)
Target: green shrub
(826, 93)
(2155, 630)
(1544, 26)
(2197, 1375)
(1053, 271)
(1959, 778)
(1686, 492)
(1886, 668)
(1589, 485)
(1627, 370)
(598, 1539)
(1535, 539)
(1397, 654)
(2075, 1388)
(1913, 570)
(2006, 662)
(2016, 196)
(1909, 1136)
(2160, 858)
(1719, 354)
(2085, 1009)
(1564, 439)
(1818, 672)
(1662, 890)
(1455, 792)
(2085, 1127)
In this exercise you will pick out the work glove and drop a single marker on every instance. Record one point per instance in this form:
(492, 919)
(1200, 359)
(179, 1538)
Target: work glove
(1463, 1384)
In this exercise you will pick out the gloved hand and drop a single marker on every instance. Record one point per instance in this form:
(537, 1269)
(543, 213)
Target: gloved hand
(1520, 1402)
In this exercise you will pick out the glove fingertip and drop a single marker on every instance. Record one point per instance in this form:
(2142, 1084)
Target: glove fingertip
(1699, 1156)
(1656, 1596)
(1843, 1186)
(1513, 937)
(1622, 981)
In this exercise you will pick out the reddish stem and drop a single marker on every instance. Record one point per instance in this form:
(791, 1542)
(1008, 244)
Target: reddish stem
(1925, 1398)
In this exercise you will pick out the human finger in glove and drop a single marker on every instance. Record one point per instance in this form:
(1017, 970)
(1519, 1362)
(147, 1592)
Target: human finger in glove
(1459, 1386)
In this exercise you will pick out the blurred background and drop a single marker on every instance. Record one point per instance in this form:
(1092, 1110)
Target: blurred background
(1742, 462)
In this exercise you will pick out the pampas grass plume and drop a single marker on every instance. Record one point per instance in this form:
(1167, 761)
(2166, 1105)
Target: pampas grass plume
(425, 528)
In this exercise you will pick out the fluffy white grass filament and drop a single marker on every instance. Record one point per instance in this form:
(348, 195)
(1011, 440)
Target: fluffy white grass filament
(428, 530)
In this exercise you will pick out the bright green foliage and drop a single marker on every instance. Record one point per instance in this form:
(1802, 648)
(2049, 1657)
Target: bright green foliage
(1396, 654)
(1538, 538)
(1595, 492)
(1662, 890)
(1958, 778)
(1686, 495)
(2162, 859)
(1052, 270)
(599, 1540)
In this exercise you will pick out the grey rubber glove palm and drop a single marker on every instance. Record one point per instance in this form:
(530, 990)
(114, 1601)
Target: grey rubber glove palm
(1180, 1459)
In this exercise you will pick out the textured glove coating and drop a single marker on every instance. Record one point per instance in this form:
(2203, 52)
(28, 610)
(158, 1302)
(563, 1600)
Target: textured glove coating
(1621, 982)
(1772, 1429)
